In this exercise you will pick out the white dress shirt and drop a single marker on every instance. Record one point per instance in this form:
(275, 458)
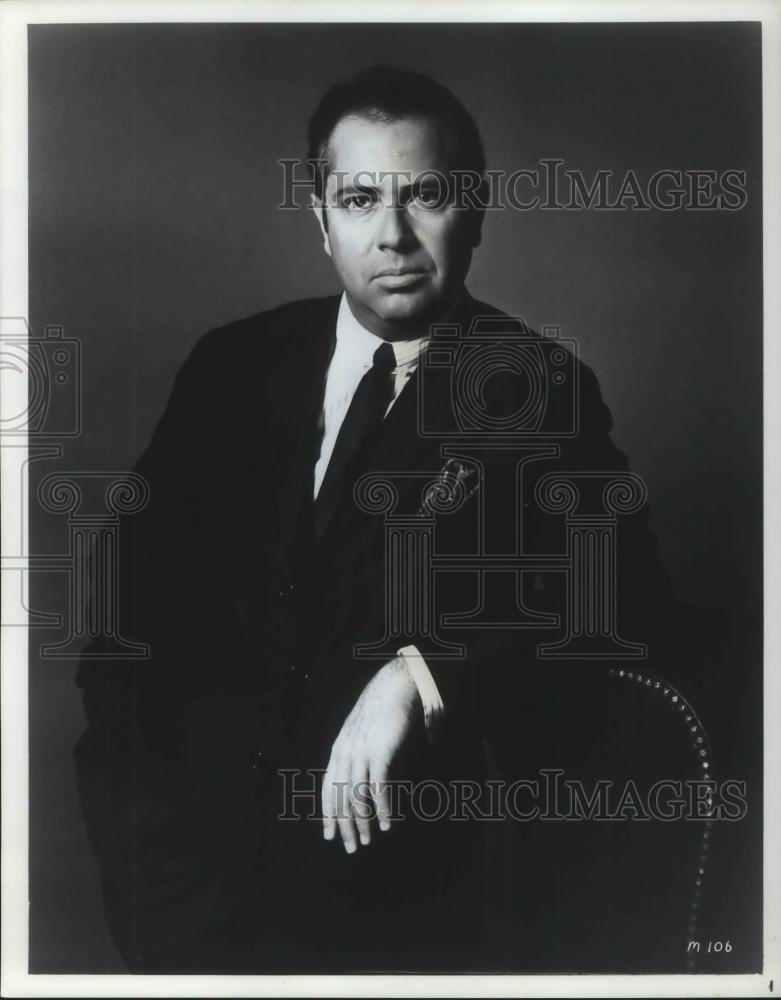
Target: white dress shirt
(353, 356)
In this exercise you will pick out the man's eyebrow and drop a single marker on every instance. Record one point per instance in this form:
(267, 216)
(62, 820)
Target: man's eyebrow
(424, 183)
(355, 189)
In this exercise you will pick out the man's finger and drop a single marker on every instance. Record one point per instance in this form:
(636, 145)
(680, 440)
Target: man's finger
(380, 789)
(361, 800)
(327, 803)
(343, 807)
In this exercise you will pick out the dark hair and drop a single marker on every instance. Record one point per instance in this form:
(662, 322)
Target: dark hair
(386, 94)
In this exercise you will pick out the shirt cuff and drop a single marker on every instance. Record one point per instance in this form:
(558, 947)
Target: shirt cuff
(433, 706)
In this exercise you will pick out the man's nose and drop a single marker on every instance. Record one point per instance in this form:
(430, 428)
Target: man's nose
(395, 230)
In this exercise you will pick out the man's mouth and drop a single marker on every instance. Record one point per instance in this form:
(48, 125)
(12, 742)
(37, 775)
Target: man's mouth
(400, 277)
(394, 272)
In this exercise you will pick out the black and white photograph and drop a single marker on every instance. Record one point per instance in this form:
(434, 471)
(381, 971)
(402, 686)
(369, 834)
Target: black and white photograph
(387, 548)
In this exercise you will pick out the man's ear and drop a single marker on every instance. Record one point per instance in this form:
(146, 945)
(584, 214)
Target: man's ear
(322, 218)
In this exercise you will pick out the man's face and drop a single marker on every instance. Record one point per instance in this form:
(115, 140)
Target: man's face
(401, 254)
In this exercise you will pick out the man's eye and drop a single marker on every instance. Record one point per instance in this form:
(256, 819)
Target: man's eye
(429, 198)
(357, 201)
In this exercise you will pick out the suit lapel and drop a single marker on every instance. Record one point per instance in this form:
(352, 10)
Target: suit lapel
(295, 401)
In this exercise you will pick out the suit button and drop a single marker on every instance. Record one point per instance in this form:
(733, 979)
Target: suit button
(257, 760)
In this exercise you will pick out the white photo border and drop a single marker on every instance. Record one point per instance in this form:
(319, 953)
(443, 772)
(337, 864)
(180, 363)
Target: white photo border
(15, 15)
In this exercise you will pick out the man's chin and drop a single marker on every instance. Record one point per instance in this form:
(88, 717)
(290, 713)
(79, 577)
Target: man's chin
(407, 308)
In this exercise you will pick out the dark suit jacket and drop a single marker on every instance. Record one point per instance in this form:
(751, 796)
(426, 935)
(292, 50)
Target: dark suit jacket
(253, 626)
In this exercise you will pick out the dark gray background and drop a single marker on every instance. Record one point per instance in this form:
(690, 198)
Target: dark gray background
(153, 194)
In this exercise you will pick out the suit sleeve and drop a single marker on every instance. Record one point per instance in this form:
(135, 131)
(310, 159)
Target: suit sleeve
(173, 561)
(164, 788)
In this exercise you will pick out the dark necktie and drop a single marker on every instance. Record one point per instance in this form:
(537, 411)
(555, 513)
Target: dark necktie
(359, 427)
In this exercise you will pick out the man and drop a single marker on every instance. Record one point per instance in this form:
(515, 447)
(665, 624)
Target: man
(261, 575)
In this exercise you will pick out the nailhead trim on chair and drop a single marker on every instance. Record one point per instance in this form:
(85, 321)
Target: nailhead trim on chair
(698, 739)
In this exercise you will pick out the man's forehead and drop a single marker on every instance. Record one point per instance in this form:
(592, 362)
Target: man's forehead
(406, 145)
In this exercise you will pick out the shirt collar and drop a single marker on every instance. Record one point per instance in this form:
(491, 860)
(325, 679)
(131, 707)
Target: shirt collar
(358, 343)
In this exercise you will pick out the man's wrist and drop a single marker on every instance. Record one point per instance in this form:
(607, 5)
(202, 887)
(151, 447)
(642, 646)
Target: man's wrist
(430, 698)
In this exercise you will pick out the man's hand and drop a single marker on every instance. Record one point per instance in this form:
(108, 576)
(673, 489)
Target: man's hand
(384, 717)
